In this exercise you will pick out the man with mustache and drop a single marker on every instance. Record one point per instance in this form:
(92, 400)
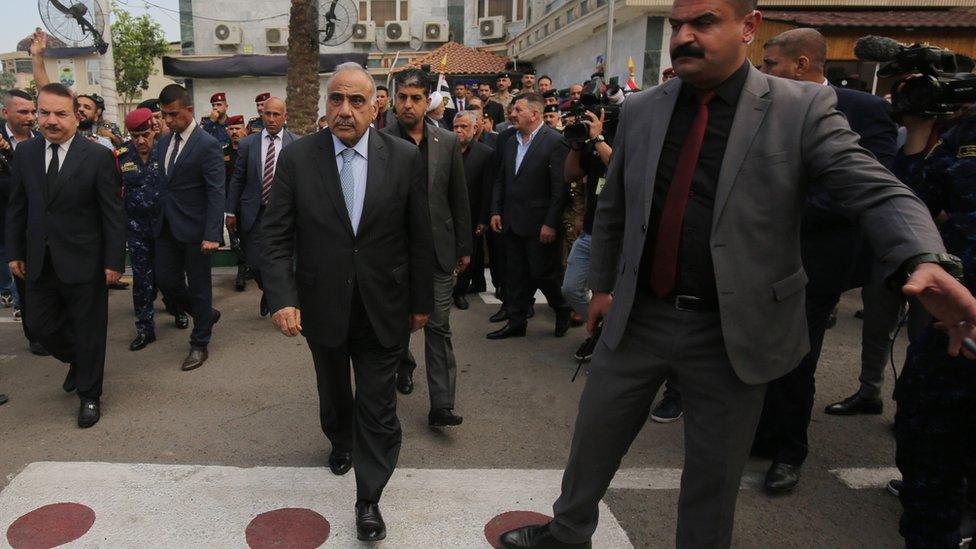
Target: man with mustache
(696, 267)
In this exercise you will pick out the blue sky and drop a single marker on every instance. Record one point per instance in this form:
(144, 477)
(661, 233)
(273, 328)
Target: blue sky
(20, 17)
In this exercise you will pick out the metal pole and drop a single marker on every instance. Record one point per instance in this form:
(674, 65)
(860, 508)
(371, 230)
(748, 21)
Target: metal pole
(106, 75)
(606, 59)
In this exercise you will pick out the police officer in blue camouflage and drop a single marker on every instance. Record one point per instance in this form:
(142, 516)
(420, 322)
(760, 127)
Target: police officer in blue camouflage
(216, 123)
(140, 182)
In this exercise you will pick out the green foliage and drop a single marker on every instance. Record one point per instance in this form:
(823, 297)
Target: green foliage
(136, 44)
(8, 80)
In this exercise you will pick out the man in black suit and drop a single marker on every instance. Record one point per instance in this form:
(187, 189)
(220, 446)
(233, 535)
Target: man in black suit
(190, 222)
(492, 108)
(527, 205)
(834, 257)
(349, 262)
(66, 238)
(479, 171)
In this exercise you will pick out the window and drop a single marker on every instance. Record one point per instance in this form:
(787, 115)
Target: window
(512, 10)
(23, 66)
(382, 11)
(93, 67)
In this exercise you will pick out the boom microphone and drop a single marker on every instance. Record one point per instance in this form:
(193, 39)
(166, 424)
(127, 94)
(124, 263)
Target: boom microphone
(877, 48)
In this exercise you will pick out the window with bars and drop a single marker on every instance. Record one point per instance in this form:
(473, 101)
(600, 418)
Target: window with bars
(512, 10)
(382, 11)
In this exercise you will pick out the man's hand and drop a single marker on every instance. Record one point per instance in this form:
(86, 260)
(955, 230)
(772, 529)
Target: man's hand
(4, 144)
(593, 123)
(496, 223)
(231, 222)
(208, 247)
(105, 132)
(112, 277)
(288, 320)
(547, 235)
(214, 115)
(462, 264)
(18, 268)
(38, 43)
(599, 309)
(479, 229)
(947, 300)
(417, 322)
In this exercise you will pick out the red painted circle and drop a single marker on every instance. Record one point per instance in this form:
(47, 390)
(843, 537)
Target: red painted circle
(292, 528)
(510, 521)
(50, 526)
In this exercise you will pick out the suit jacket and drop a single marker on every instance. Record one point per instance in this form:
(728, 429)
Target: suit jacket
(81, 218)
(495, 110)
(447, 194)
(785, 135)
(479, 173)
(535, 195)
(313, 259)
(5, 177)
(490, 139)
(244, 190)
(191, 199)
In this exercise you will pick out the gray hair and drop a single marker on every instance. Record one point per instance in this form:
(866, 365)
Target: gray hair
(469, 114)
(356, 67)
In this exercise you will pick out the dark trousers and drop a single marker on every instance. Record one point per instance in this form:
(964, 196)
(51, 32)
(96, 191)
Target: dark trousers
(22, 292)
(531, 264)
(935, 430)
(496, 258)
(721, 412)
(142, 252)
(253, 243)
(70, 321)
(366, 423)
(474, 275)
(183, 275)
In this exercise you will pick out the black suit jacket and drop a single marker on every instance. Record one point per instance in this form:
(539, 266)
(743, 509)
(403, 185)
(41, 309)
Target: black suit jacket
(244, 189)
(479, 173)
(81, 218)
(490, 139)
(534, 195)
(5, 174)
(313, 259)
(495, 110)
(191, 199)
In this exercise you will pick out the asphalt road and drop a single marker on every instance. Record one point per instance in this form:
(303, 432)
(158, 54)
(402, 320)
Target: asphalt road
(254, 404)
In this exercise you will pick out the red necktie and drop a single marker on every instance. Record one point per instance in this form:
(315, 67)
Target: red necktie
(665, 267)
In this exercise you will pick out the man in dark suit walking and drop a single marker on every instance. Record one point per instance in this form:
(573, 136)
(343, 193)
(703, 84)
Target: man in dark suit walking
(479, 172)
(450, 222)
(697, 271)
(189, 225)
(250, 185)
(348, 263)
(66, 238)
(528, 201)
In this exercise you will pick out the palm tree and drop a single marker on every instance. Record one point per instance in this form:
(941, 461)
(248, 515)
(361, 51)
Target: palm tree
(303, 66)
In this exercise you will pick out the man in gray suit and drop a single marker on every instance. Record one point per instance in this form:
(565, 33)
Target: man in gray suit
(450, 219)
(696, 265)
(250, 185)
(348, 263)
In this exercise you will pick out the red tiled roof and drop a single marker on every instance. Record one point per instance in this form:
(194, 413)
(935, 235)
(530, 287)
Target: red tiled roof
(53, 42)
(876, 18)
(461, 60)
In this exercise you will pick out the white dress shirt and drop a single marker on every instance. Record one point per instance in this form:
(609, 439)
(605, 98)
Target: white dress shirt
(62, 152)
(264, 149)
(359, 165)
(13, 139)
(184, 136)
(524, 147)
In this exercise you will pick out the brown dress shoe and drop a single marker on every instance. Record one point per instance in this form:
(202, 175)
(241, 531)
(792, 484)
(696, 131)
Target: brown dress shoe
(194, 360)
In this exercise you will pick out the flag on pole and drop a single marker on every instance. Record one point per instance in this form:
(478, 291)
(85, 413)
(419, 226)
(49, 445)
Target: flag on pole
(442, 90)
(631, 83)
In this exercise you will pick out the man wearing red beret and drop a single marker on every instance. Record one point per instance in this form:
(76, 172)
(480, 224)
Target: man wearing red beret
(256, 124)
(216, 123)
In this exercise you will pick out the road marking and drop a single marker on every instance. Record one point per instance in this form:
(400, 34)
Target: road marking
(860, 478)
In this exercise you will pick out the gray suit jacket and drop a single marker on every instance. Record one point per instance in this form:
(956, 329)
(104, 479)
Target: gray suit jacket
(785, 135)
(447, 193)
(244, 190)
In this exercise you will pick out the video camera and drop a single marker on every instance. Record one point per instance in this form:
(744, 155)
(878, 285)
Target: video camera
(932, 83)
(596, 96)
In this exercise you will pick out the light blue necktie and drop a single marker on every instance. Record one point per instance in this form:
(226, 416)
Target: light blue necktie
(348, 181)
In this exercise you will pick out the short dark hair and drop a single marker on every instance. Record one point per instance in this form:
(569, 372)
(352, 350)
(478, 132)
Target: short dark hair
(487, 83)
(545, 77)
(415, 78)
(533, 99)
(803, 41)
(383, 88)
(175, 92)
(60, 90)
(743, 7)
(7, 95)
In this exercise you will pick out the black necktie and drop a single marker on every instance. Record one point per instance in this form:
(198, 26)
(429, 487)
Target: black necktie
(176, 150)
(52, 167)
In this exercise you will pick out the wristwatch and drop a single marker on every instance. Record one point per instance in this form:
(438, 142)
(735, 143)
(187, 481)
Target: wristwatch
(949, 262)
(598, 139)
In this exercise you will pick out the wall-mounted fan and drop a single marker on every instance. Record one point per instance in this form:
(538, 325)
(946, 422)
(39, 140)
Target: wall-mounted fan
(336, 18)
(76, 22)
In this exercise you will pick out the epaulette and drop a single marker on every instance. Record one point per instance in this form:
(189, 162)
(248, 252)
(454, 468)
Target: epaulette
(120, 151)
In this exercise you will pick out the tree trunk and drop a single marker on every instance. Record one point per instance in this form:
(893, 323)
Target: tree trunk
(303, 67)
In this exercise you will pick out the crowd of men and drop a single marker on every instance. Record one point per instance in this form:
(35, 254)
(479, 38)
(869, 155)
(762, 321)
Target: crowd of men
(702, 230)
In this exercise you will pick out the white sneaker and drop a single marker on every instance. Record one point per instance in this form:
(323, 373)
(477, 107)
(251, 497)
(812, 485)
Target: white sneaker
(17, 315)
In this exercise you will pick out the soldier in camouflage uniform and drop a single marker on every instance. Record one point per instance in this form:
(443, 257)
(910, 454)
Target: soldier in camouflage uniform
(216, 123)
(936, 420)
(256, 124)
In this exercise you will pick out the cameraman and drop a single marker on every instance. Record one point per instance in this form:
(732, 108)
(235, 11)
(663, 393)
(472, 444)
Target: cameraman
(935, 426)
(587, 159)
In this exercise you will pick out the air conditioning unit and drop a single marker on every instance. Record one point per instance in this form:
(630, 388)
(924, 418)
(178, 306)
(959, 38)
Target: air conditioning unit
(491, 28)
(226, 34)
(364, 32)
(436, 31)
(397, 31)
(276, 37)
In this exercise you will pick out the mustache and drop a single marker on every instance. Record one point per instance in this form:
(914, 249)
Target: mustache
(687, 50)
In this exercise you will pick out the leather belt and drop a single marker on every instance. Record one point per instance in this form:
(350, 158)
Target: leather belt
(691, 303)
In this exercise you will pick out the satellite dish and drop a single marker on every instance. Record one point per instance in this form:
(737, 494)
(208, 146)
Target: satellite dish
(76, 22)
(336, 19)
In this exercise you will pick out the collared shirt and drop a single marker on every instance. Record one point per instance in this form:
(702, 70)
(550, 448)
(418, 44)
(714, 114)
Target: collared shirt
(422, 146)
(184, 136)
(359, 165)
(523, 145)
(264, 147)
(696, 273)
(13, 139)
(62, 152)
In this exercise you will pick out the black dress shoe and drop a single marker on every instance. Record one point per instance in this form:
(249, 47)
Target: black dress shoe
(507, 331)
(782, 478)
(531, 312)
(240, 283)
(69, 380)
(194, 360)
(215, 315)
(142, 339)
(181, 320)
(536, 537)
(563, 319)
(404, 383)
(340, 462)
(461, 302)
(369, 522)
(668, 410)
(854, 405)
(500, 316)
(37, 349)
(4, 399)
(264, 307)
(443, 417)
(89, 413)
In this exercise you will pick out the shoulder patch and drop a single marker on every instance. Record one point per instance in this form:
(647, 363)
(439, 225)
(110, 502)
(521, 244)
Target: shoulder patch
(967, 151)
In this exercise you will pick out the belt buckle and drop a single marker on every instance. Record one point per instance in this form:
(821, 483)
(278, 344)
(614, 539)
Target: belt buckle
(688, 299)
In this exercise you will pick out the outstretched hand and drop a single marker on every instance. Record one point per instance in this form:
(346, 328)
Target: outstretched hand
(948, 301)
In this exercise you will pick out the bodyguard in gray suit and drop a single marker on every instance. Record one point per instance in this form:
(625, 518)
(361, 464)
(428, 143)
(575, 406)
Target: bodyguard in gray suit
(450, 222)
(704, 194)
